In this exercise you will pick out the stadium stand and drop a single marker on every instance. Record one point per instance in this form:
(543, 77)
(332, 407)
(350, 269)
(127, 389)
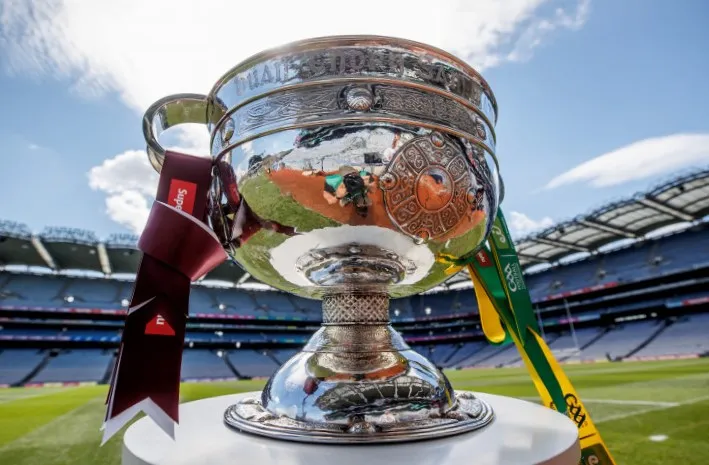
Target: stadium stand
(688, 335)
(75, 366)
(198, 364)
(618, 342)
(283, 355)
(17, 364)
(465, 351)
(252, 364)
(596, 300)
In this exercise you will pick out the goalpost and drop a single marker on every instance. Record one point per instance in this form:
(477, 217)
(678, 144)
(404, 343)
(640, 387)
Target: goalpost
(568, 353)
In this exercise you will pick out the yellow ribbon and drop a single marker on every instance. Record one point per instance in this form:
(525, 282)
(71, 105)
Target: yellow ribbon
(593, 450)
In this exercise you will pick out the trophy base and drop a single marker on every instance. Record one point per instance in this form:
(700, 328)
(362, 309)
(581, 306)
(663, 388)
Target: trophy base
(469, 414)
(523, 433)
(357, 381)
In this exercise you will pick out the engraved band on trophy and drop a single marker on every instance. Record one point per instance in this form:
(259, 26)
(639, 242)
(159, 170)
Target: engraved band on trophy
(344, 168)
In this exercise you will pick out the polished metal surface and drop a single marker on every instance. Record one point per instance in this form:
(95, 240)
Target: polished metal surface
(249, 416)
(349, 169)
(357, 381)
(371, 141)
(351, 308)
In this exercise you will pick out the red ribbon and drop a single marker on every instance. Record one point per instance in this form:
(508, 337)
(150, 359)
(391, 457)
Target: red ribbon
(178, 249)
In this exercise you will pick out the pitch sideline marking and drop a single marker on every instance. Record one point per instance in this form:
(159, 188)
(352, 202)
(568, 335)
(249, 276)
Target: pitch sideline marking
(654, 406)
(621, 416)
(622, 402)
(8, 399)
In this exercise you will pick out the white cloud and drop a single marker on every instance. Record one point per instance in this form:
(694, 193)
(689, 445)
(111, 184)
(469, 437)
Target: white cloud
(521, 225)
(129, 209)
(639, 160)
(128, 171)
(143, 50)
(130, 184)
(536, 31)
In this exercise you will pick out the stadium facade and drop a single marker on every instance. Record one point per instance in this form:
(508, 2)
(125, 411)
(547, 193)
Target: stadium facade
(608, 285)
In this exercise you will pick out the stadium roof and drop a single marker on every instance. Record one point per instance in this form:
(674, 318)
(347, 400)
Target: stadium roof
(684, 199)
(63, 249)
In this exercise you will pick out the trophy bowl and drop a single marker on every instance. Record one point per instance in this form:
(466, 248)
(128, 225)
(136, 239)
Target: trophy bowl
(349, 170)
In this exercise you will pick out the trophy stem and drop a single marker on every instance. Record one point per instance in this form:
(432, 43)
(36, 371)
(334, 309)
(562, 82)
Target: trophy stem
(356, 308)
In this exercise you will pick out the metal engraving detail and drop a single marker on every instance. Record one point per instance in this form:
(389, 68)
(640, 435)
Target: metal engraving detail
(469, 414)
(428, 188)
(355, 308)
(305, 106)
(341, 58)
(359, 99)
(343, 338)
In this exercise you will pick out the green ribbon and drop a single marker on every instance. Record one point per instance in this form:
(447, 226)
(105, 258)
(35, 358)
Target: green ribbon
(504, 284)
(497, 270)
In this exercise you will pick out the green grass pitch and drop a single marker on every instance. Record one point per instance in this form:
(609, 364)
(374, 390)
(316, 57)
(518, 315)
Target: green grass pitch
(648, 412)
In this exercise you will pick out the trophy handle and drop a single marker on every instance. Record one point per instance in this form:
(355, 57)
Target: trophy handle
(167, 112)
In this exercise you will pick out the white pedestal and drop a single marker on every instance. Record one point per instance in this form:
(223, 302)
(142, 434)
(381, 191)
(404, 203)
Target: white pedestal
(522, 433)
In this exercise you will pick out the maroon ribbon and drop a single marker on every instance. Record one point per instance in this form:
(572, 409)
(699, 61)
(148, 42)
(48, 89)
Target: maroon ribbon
(178, 249)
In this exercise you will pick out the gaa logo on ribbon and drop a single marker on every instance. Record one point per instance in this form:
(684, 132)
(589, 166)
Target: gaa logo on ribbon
(574, 410)
(513, 276)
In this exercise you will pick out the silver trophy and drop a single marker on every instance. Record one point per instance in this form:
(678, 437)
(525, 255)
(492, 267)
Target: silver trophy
(360, 162)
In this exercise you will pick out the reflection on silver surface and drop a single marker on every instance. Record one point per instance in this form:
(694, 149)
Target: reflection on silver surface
(358, 381)
(343, 166)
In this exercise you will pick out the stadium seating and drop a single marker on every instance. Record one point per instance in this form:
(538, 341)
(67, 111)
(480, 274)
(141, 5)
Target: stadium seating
(427, 321)
(29, 332)
(621, 340)
(283, 355)
(204, 364)
(645, 260)
(203, 301)
(94, 293)
(16, 364)
(27, 289)
(484, 356)
(567, 343)
(680, 250)
(689, 335)
(465, 352)
(274, 303)
(306, 306)
(440, 353)
(75, 366)
(252, 364)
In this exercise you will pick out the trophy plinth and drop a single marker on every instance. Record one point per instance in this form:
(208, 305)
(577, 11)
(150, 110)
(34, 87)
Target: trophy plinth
(356, 381)
(523, 433)
(350, 170)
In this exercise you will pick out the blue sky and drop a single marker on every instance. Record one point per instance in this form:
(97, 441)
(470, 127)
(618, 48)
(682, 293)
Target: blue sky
(598, 99)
